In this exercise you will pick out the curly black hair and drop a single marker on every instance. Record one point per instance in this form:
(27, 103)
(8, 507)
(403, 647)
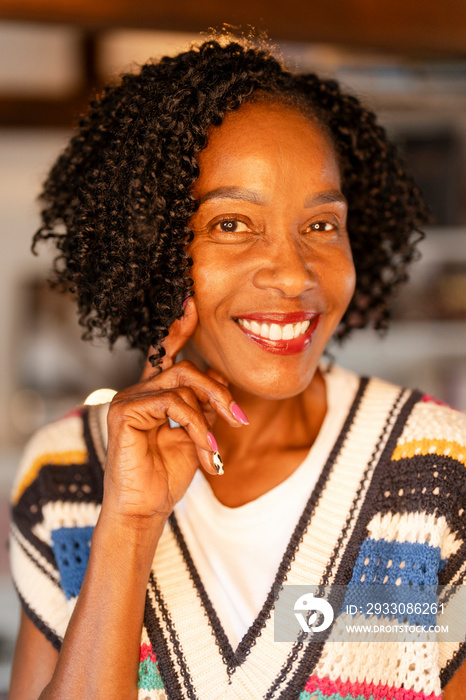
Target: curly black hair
(118, 200)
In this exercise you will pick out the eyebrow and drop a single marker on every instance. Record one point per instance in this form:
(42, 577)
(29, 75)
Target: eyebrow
(245, 195)
(239, 193)
(327, 197)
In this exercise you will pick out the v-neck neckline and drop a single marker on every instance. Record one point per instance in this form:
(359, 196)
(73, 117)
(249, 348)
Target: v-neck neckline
(234, 658)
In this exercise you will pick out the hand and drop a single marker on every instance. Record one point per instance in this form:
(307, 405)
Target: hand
(150, 465)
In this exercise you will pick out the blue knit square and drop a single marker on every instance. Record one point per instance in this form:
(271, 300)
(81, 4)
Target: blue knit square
(71, 546)
(397, 572)
(412, 563)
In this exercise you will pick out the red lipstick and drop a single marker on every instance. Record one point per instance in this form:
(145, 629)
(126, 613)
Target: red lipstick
(279, 317)
(292, 346)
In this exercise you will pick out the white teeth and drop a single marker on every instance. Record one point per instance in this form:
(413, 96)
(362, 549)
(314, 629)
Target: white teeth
(265, 331)
(287, 332)
(275, 331)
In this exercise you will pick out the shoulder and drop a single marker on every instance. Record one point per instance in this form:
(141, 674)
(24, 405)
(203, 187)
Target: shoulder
(421, 486)
(55, 504)
(434, 428)
(420, 482)
(60, 443)
(427, 453)
(430, 455)
(63, 461)
(425, 425)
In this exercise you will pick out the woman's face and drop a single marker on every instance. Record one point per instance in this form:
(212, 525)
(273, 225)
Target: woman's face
(272, 267)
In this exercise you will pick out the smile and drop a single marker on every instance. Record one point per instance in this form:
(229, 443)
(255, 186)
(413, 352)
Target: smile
(275, 331)
(282, 334)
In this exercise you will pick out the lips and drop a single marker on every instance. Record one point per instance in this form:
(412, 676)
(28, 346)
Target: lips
(275, 331)
(279, 333)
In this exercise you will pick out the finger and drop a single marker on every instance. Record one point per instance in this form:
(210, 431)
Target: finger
(192, 419)
(146, 412)
(207, 458)
(178, 334)
(209, 414)
(207, 390)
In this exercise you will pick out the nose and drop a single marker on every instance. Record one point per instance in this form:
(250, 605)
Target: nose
(285, 267)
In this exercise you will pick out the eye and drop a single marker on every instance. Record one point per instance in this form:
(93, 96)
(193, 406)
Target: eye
(322, 226)
(231, 226)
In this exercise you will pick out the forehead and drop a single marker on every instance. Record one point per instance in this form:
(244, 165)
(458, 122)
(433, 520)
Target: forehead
(263, 138)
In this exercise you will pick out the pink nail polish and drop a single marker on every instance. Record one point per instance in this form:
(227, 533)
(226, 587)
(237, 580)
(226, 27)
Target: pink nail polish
(212, 442)
(185, 302)
(239, 414)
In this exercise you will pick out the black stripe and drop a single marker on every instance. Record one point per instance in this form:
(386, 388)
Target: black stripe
(447, 673)
(27, 513)
(343, 575)
(367, 509)
(24, 527)
(455, 563)
(314, 649)
(305, 522)
(37, 564)
(228, 655)
(422, 490)
(48, 633)
(161, 650)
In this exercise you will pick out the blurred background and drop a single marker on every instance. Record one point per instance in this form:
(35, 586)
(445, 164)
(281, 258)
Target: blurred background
(406, 60)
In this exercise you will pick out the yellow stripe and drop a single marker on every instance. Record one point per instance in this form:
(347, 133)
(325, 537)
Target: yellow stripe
(442, 448)
(64, 458)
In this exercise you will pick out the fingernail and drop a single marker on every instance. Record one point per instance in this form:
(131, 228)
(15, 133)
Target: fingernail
(185, 302)
(218, 464)
(239, 414)
(212, 442)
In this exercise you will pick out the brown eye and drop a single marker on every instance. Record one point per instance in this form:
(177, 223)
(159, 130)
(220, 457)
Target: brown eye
(228, 226)
(321, 226)
(231, 226)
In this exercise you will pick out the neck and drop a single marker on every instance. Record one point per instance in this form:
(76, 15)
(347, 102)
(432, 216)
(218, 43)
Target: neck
(280, 432)
(281, 422)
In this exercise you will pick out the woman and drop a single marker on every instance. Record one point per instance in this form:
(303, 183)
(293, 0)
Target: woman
(217, 205)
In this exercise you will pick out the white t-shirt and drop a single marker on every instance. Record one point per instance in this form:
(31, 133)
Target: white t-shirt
(237, 551)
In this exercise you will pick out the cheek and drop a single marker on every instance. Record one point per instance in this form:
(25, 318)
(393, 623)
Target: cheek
(216, 274)
(209, 281)
(215, 284)
(340, 279)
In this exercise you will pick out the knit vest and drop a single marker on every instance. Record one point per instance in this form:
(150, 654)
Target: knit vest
(388, 507)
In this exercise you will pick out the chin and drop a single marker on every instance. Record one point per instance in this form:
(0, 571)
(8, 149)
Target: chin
(276, 377)
(273, 387)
